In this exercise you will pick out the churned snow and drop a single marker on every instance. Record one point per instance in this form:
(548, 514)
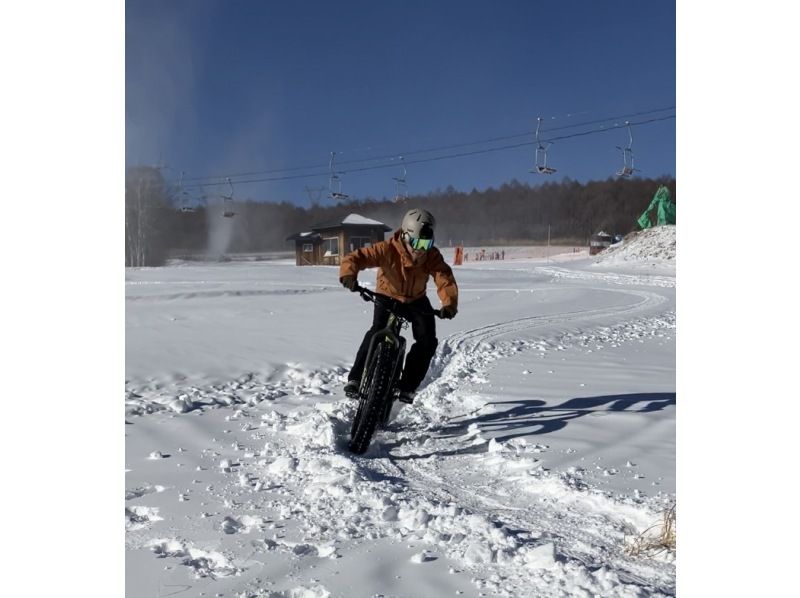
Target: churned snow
(540, 444)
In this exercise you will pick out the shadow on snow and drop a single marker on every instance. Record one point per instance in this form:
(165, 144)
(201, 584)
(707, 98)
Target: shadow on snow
(531, 417)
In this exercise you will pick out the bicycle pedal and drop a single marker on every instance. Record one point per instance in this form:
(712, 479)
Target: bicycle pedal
(351, 389)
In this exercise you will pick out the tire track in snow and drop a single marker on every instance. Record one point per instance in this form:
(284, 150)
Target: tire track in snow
(143, 398)
(224, 293)
(507, 487)
(588, 530)
(463, 357)
(608, 277)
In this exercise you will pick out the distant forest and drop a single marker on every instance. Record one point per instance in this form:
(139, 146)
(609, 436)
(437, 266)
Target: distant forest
(158, 226)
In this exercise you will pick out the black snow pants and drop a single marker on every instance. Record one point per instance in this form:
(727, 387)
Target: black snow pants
(423, 327)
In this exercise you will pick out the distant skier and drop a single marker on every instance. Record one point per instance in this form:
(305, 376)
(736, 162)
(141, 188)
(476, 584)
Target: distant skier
(404, 262)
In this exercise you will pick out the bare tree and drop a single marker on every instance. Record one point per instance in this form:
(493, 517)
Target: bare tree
(147, 214)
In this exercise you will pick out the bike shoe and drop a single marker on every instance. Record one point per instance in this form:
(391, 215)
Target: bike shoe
(351, 389)
(405, 396)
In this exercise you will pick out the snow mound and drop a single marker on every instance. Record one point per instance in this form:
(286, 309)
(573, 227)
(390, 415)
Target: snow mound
(657, 243)
(140, 517)
(204, 563)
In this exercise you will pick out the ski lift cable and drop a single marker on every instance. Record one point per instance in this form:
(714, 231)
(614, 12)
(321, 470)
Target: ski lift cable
(506, 137)
(434, 149)
(567, 126)
(501, 138)
(525, 134)
(448, 156)
(439, 148)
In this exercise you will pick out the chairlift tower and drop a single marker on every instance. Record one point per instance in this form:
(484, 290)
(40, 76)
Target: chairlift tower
(314, 194)
(540, 165)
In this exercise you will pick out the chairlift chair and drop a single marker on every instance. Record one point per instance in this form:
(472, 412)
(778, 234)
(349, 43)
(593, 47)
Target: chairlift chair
(184, 197)
(541, 162)
(540, 166)
(337, 192)
(400, 186)
(627, 156)
(335, 183)
(227, 202)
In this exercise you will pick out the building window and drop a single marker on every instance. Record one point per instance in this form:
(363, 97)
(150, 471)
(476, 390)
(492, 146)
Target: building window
(330, 247)
(359, 242)
(308, 248)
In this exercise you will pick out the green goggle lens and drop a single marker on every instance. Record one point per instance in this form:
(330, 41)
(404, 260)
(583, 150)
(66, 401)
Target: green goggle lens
(421, 244)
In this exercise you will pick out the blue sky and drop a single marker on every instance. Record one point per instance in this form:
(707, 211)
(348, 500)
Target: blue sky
(217, 88)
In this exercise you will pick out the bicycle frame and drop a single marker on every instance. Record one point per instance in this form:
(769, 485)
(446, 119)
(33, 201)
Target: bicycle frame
(391, 334)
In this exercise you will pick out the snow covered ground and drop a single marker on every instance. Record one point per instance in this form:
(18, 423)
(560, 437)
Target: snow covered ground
(542, 441)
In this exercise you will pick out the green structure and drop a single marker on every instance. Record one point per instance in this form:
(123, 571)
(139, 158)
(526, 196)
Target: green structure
(665, 210)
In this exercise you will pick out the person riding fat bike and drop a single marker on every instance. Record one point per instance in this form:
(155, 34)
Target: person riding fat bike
(405, 262)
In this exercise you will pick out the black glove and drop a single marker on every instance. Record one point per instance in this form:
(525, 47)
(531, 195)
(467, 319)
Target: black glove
(349, 282)
(449, 312)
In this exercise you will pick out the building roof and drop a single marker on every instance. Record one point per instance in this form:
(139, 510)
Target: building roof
(359, 219)
(307, 236)
(351, 220)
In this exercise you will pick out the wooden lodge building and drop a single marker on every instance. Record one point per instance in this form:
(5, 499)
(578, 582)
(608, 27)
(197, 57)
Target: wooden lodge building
(325, 243)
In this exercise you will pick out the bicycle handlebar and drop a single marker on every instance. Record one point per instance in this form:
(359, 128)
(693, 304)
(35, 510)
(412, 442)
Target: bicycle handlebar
(368, 295)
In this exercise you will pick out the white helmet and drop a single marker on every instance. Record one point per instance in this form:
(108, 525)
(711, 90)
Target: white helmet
(418, 224)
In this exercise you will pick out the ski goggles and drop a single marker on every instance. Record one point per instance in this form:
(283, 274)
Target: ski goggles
(420, 244)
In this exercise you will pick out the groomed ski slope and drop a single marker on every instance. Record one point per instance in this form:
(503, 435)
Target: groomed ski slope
(541, 443)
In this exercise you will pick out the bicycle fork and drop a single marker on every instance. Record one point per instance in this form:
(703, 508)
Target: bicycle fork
(389, 335)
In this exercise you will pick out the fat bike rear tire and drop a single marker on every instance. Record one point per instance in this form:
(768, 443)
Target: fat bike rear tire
(372, 404)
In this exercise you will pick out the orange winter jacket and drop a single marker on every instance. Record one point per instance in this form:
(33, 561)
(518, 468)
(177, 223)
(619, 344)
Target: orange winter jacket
(398, 276)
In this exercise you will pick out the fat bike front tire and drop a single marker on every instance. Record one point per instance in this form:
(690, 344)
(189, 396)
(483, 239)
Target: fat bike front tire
(372, 404)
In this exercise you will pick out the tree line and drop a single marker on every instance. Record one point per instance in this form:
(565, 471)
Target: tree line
(158, 225)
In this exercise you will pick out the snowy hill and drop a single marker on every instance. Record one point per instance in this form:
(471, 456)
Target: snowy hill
(652, 244)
